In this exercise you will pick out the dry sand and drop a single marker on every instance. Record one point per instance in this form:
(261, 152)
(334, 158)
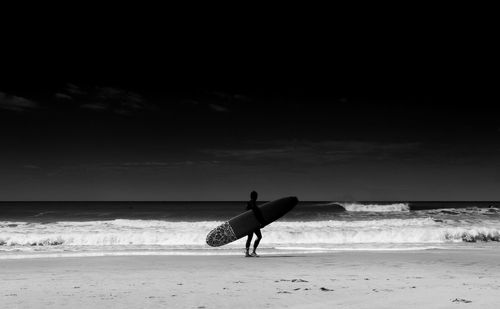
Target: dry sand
(420, 279)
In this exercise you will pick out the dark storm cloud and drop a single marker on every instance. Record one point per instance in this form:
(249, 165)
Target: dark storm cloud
(16, 103)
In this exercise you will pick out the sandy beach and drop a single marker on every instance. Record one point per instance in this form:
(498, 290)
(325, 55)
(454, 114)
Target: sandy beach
(390, 279)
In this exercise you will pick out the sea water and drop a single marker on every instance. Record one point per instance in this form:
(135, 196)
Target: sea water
(58, 229)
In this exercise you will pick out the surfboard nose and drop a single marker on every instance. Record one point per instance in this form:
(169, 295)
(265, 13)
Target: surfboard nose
(293, 200)
(290, 202)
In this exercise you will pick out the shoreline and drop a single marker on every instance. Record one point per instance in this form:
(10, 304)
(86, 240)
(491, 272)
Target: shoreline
(15, 255)
(377, 279)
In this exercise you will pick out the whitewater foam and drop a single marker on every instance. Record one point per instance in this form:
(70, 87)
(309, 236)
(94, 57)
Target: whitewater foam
(178, 235)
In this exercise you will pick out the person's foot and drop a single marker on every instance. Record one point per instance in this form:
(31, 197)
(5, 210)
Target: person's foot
(247, 254)
(254, 254)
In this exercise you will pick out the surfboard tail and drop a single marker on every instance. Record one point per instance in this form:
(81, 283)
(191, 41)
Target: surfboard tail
(221, 235)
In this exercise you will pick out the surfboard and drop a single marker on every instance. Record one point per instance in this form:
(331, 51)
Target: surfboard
(247, 222)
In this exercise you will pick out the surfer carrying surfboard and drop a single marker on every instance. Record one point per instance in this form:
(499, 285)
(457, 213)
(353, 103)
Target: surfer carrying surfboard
(252, 205)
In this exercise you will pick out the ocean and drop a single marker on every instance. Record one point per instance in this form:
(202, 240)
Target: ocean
(60, 229)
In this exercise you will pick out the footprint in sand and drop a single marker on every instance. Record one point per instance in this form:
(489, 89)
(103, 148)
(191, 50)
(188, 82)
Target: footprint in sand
(383, 290)
(293, 280)
(299, 280)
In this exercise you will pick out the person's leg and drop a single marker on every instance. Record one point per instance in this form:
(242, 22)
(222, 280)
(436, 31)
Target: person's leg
(249, 241)
(257, 241)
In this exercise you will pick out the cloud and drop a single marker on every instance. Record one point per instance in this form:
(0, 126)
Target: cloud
(154, 164)
(16, 104)
(218, 108)
(230, 97)
(159, 164)
(218, 102)
(105, 99)
(136, 166)
(94, 106)
(320, 152)
(116, 100)
(63, 96)
(74, 90)
(251, 154)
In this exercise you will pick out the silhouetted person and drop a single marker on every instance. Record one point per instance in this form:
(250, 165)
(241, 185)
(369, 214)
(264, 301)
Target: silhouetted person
(253, 206)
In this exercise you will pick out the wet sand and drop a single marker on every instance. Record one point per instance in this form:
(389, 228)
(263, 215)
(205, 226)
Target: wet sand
(419, 279)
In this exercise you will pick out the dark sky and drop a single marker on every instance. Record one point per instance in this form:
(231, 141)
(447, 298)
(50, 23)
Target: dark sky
(183, 111)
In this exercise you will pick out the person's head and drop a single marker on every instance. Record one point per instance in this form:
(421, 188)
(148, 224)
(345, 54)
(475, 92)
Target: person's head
(253, 195)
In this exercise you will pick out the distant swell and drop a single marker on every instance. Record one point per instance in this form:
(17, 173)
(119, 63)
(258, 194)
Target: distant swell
(192, 234)
(375, 207)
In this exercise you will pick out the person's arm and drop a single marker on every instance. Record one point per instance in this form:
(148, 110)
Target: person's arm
(258, 215)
